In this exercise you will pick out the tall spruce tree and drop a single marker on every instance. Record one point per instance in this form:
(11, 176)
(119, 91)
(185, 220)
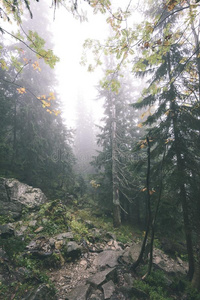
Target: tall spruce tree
(175, 121)
(116, 139)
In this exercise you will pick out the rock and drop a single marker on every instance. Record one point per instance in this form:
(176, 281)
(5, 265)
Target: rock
(108, 258)
(39, 229)
(7, 230)
(42, 292)
(39, 247)
(32, 223)
(65, 235)
(58, 244)
(79, 293)
(100, 277)
(108, 289)
(14, 196)
(131, 253)
(52, 242)
(96, 295)
(72, 250)
(128, 279)
(169, 265)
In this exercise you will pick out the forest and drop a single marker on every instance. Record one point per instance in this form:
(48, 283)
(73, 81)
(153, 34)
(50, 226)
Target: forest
(107, 209)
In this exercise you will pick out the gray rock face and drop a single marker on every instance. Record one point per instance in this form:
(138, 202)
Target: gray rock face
(108, 258)
(80, 293)
(108, 289)
(64, 235)
(72, 250)
(169, 265)
(7, 230)
(14, 196)
(100, 277)
(131, 254)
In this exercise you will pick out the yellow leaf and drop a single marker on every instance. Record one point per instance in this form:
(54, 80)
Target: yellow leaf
(21, 90)
(140, 125)
(151, 192)
(51, 96)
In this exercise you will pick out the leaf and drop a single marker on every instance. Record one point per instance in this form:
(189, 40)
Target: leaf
(21, 90)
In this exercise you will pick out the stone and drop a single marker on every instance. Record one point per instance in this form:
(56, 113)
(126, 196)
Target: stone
(79, 293)
(108, 289)
(100, 277)
(65, 235)
(72, 250)
(58, 244)
(131, 253)
(21, 231)
(7, 230)
(39, 229)
(108, 258)
(169, 265)
(128, 279)
(52, 242)
(15, 196)
(32, 223)
(96, 295)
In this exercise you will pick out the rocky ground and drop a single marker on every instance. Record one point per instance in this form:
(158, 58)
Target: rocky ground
(52, 253)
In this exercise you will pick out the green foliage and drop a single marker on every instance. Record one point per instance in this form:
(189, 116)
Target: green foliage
(13, 246)
(5, 219)
(79, 229)
(154, 285)
(192, 293)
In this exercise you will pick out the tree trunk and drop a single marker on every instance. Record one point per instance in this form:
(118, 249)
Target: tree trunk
(14, 150)
(116, 202)
(148, 217)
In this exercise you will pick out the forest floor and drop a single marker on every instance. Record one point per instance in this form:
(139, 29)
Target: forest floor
(74, 253)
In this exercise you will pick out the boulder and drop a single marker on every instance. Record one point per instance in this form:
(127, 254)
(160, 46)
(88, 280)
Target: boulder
(79, 293)
(65, 235)
(108, 258)
(15, 196)
(72, 250)
(131, 253)
(108, 289)
(168, 264)
(7, 230)
(100, 277)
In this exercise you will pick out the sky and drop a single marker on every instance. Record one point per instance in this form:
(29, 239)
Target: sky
(74, 80)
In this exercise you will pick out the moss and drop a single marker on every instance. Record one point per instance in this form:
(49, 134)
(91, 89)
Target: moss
(154, 286)
(79, 229)
(12, 246)
(4, 219)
